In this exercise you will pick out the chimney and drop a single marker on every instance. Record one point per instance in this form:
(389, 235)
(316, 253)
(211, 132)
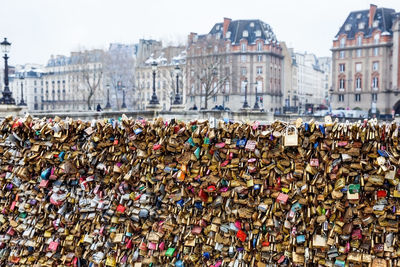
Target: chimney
(227, 21)
(372, 10)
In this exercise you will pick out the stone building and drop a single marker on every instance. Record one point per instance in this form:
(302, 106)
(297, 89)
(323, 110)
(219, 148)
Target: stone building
(325, 64)
(27, 83)
(234, 51)
(290, 71)
(365, 62)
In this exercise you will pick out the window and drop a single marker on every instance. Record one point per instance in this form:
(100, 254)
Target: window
(35, 90)
(376, 38)
(361, 25)
(357, 97)
(258, 33)
(359, 40)
(342, 42)
(244, 47)
(245, 33)
(259, 70)
(259, 46)
(358, 67)
(375, 66)
(341, 98)
(376, 51)
(227, 47)
(358, 83)
(259, 58)
(226, 98)
(375, 23)
(228, 35)
(215, 98)
(342, 54)
(375, 83)
(341, 67)
(243, 58)
(359, 53)
(374, 97)
(191, 98)
(243, 71)
(347, 27)
(342, 84)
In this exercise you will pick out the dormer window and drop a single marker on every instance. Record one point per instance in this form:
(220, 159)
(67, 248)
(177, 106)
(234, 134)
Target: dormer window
(359, 16)
(217, 28)
(375, 23)
(228, 34)
(252, 24)
(245, 34)
(347, 27)
(258, 33)
(361, 26)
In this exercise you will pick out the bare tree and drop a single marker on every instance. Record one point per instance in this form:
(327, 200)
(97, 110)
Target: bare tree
(90, 63)
(208, 71)
(119, 69)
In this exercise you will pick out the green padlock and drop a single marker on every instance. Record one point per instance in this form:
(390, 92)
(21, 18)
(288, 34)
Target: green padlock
(170, 252)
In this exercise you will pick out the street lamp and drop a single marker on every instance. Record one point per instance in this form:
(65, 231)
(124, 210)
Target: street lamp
(177, 100)
(108, 105)
(7, 95)
(245, 104)
(123, 97)
(154, 99)
(22, 102)
(256, 106)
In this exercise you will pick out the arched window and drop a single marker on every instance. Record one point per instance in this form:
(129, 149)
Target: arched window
(259, 46)
(376, 38)
(358, 83)
(244, 47)
(375, 83)
(342, 42)
(359, 40)
(342, 83)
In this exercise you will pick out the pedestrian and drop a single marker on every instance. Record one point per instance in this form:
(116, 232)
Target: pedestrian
(99, 108)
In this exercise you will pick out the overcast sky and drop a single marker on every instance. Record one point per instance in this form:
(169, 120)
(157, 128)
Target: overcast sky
(39, 28)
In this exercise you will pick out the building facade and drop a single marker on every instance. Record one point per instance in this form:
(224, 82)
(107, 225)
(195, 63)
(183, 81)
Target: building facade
(309, 82)
(27, 83)
(235, 59)
(290, 88)
(365, 62)
(325, 64)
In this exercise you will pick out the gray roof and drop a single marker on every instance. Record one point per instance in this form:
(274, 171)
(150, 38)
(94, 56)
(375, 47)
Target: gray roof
(238, 27)
(384, 16)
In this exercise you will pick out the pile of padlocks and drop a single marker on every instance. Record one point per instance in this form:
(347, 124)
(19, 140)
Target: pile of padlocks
(166, 193)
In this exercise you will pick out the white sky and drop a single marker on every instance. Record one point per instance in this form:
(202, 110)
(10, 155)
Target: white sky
(39, 28)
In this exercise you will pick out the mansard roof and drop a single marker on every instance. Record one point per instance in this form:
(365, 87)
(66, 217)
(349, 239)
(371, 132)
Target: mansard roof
(383, 16)
(255, 29)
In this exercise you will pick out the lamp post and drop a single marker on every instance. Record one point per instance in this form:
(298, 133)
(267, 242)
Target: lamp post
(154, 99)
(7, 95)
(245, 104)
(177, 100)
(22, 102)
(256, 106)
(123, 97)
(108, 105)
